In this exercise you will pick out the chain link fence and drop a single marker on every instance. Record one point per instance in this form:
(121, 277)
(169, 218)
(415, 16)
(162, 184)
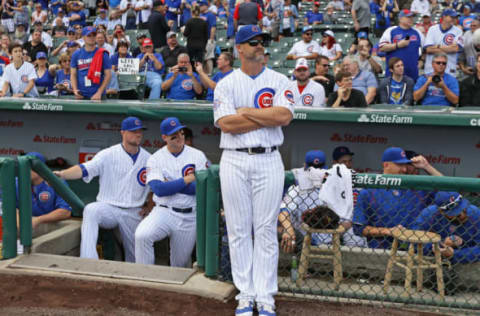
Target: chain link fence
(412, 239)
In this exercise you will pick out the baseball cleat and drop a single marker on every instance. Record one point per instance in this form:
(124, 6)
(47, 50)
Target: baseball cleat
(266, 310)
(244, 308)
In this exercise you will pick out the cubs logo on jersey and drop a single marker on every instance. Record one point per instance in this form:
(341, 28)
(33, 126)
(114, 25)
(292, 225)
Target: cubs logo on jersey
(188, 169)
(448, 39)
(24, 78)
(264, 98)
(310, 48)
(289, 95)
(142, 176)
(307, 99)
(187, 84)
(44, 196)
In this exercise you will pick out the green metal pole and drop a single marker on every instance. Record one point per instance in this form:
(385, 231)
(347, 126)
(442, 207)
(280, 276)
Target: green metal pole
(201, 180)
(212, 257)
(9, 216)
(25, 202)
(60, 187)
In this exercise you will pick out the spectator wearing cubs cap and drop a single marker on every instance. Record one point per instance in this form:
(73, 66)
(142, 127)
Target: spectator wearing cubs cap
(307, 92)
(154, 66)
(379, 211)
(457, 222)
(47, 205)
(343, 155)
(45, 75)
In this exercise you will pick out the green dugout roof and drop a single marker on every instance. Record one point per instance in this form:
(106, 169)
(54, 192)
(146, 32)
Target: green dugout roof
(201, 111)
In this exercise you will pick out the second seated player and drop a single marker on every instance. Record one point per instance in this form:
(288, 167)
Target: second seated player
(171, 176)
(250, 107)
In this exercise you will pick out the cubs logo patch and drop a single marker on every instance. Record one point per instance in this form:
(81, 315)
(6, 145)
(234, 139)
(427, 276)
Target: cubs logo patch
(289, 95)
(188, 169)
(173, 123)
(24, 78)
(397, 37)
(255, 29)
(44, 196)
(413, 38)
(316, 161)
(187, 84)
(264, 98)
(448, 39)
(403, 154)
(137, 122)
(307, 99)
(310, 48)
(142, 176)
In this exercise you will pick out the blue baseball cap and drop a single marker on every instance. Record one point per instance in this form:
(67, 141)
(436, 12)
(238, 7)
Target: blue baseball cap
(37, 155)
(248, 32)
(362, 35)
(41, 55)
(132, 123)
(170, 125)
(315, 157)
(341, 151)
(450, 203)
(405, 13)
(396, 155)
(450, 12)
(87, 30)
(467, 6)
(200, 3)
(70, 29)
(306, 28)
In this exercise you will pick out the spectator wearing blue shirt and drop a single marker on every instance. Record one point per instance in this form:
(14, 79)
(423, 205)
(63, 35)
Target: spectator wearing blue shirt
(62, 80)
(45, 75)
(182, 83)
(101, 18)
(56, 5)
(84, 87)
(467, 17)
(76, 16)
(382, 11)
(155, 68)
(122, 52)
(47, 205)
(364, 81)
(457, 222)
(173, 10)
(212, 27)
(437, 88)
(314, 17)
(224, 65)
(379, 211)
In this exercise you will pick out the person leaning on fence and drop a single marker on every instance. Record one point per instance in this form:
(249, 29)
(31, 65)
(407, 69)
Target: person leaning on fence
(457, 221)
(378, 211)
(396, 88)
(47, 205)
(154, 66)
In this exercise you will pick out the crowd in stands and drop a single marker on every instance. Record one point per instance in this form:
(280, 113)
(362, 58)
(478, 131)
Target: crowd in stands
(185, 47)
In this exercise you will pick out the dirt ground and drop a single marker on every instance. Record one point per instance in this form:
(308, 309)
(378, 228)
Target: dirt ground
(37, 295)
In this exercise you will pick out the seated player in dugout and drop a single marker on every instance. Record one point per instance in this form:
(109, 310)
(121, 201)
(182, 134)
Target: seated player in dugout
(47, 205)
(457, 221)
(378, 211)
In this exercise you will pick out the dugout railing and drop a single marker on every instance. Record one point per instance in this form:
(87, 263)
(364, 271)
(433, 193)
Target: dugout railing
(364, 267)
(16, 173)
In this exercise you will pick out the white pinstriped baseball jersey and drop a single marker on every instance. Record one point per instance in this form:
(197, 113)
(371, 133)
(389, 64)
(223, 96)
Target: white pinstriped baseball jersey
(436, 36)
(122, 182)
(269, 88)
(19, 78)
(164, 166)
(312, 95)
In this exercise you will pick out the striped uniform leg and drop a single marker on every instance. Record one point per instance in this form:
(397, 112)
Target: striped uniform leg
(267, 178)
(237, 197)
(182, 240)
(156, 226)
(94, 215)
(127, 224)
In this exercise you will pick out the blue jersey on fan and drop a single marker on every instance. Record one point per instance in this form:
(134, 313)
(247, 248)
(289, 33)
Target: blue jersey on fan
(216, 77)
(211, 20)
(81, 59)
(63, 78)
(435, 95)
(151, 66)
(410, 54)
(47, 81)
(45, 199)
(314, 17)
(182, 87)
(173, 7)
(387, 208)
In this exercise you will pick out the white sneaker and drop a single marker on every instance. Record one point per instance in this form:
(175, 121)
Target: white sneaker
(266, 310)
(244, 308)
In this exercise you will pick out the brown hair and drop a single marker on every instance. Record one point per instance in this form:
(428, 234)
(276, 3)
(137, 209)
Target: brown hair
(342, 74)
(392, 62)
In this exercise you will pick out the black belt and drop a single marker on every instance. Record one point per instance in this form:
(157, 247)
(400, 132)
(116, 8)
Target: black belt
(257, 150)
(179, 210)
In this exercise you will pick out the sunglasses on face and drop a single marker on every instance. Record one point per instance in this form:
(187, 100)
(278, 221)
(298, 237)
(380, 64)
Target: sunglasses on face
(441, 63)
(451, 205)
(308, 33)
(255, 43)
(326, 65)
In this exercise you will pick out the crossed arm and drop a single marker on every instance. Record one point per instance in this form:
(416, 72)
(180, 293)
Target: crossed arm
(250, 119)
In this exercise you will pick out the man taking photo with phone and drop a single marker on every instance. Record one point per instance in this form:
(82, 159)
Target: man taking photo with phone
(182, 83)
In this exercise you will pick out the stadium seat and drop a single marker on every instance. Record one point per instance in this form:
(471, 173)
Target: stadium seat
(132, 83)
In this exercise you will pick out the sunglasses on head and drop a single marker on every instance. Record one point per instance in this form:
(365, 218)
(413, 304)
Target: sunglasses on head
(255, 42)
(451, 205)
(441, 63)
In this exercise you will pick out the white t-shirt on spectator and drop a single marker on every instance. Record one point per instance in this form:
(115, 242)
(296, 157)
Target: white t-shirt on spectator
(303, 49)
(332, 52)
(420, 6)
(145, 13)
(38, 16)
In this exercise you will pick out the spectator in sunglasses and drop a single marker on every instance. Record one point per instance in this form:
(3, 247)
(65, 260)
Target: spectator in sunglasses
(457, 222)
(322, 76)
(439, 87)
(470, 87)
(306, 48)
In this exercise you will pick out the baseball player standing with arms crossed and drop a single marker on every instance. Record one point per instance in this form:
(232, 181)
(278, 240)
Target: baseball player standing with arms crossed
(122, 193)
(171, 176)
(250, 106)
